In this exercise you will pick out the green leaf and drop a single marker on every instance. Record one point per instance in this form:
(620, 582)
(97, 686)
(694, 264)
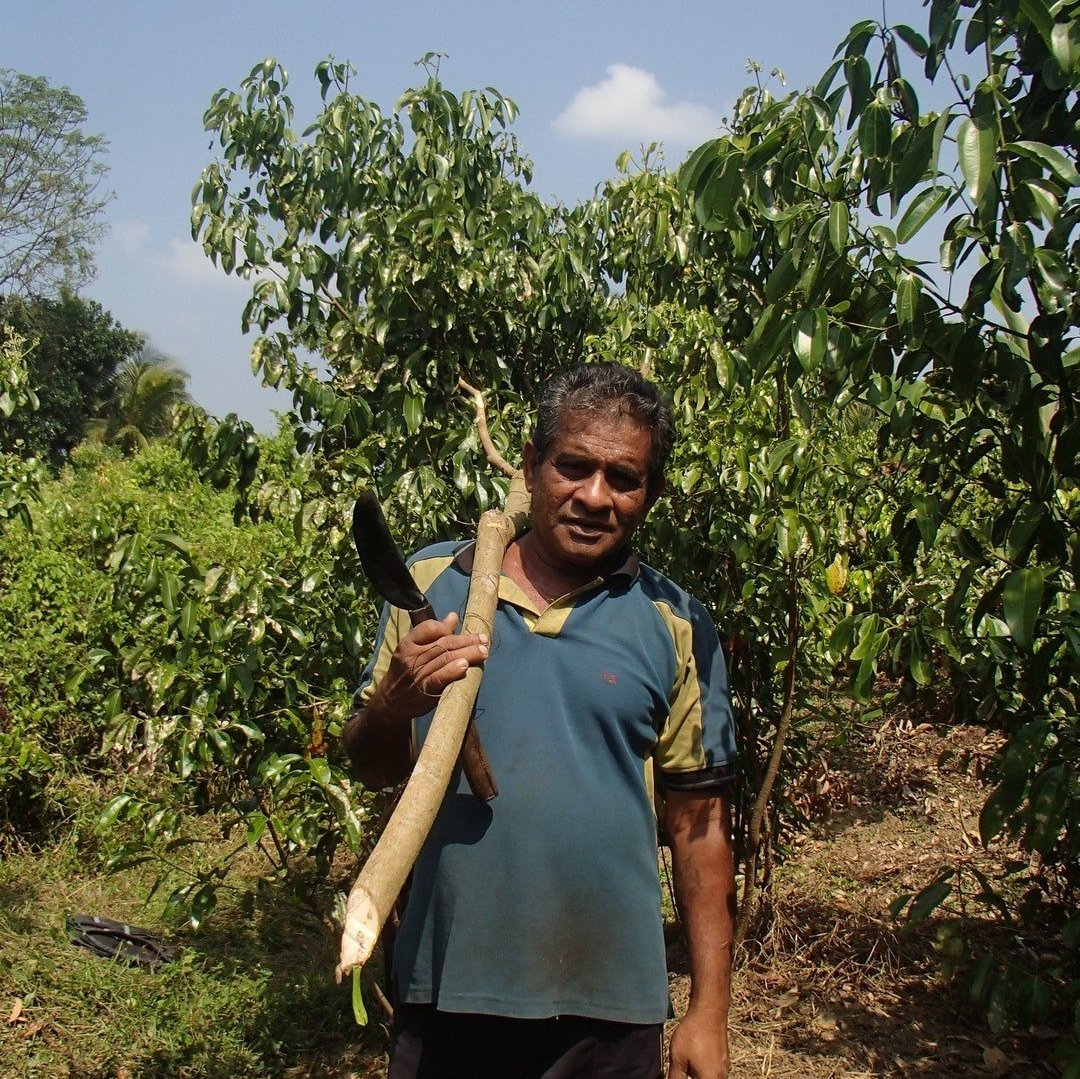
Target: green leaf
(928, 900)
(783, 276)
(1070, 934)
(170, 588)
(112, 707)
(942, 21)
(113, 808)
(810, 338)
(320, 771)
(1046, 812)
(857, 73)
(1031, 998)
(788, 534)
(189, 619)
(838, 226)
(255, 829)
(358, 1010)
(413, 412)
(914, 41)
(907, 300)
(976, 144)
(1027, 520)
(1045, 198)
(982, 978)
(922, 669)
(922, 208)
(927, 517)
(696, 164)
(1000, 806)
(202, 905)
(870, 642)
(1038, 11)
(1065, 44)
(1022, 599)
(1051, 158)
(875, 131)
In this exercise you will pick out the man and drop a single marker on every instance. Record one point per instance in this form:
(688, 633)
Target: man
(532, 943)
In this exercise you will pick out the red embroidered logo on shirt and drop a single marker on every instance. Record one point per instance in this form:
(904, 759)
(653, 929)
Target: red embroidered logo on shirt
(608, 677)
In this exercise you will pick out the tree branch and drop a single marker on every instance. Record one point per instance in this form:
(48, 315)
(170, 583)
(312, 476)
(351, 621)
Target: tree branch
(495, 458)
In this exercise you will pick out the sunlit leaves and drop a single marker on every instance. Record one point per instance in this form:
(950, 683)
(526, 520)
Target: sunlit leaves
(976, 145)
(810, 337)
(1050, 157)
(922, 209)
(839, 218)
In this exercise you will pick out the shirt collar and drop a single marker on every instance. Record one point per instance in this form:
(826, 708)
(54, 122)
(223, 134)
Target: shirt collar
(628, 569)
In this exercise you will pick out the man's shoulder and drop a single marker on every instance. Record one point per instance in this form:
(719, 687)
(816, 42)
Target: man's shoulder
(430, 564)
(444, 550)
(662, 589)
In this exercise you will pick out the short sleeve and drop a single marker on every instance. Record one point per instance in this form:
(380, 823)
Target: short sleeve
(392, 626)
(696, 747)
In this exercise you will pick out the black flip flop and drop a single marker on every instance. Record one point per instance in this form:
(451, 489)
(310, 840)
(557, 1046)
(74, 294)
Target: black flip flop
(117, 940)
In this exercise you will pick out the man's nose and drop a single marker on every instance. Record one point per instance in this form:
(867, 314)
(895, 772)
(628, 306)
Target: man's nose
(593, 492)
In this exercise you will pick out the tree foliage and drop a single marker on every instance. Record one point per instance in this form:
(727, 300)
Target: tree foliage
(973, 379)
(143, 402)
(51, 194)
(78, 348)
(19, 476)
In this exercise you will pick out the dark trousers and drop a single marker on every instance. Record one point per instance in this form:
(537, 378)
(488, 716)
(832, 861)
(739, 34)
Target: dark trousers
(429, 1044)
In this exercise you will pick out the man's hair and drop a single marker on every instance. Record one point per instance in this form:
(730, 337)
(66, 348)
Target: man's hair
(606, 389)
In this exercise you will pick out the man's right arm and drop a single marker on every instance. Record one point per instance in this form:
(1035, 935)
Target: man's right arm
(424, 663)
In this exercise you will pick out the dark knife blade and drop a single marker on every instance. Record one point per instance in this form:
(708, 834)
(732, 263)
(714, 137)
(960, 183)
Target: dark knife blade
(382, 561)
(386, 570)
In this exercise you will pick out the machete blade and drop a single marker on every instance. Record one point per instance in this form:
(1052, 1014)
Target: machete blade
(380, 557)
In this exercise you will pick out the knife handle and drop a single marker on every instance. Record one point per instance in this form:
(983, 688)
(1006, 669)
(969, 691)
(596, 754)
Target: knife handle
(474, 761)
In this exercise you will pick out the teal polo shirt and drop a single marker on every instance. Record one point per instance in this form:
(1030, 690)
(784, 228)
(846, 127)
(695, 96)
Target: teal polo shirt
(546, 901)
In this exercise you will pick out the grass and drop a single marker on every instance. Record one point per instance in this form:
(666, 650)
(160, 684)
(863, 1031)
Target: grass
(252, 994)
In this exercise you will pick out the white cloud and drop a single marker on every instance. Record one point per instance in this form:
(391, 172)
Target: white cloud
(187, 262)
(630, 104)
(130, 234)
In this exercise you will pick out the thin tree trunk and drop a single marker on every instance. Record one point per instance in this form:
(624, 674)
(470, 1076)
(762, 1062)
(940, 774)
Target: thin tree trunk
(746, 907)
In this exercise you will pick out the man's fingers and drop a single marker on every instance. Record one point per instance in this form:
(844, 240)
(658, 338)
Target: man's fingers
(434, 628)
(434, 683)
(452, 656)
(442, 630)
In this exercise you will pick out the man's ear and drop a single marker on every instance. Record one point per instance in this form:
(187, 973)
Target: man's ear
(529, 464)
(655, 493)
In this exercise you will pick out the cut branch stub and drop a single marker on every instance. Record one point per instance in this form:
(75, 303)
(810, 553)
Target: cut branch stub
(384, 873)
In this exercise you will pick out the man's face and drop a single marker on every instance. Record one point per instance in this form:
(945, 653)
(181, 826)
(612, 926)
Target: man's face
(591, 490)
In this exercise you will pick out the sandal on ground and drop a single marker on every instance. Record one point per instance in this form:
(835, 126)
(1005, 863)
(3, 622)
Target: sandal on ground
(117, 940)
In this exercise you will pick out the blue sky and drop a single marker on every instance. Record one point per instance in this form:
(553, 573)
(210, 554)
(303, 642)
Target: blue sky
(591, 79)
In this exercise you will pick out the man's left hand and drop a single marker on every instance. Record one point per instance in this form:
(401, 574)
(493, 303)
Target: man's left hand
(699, 1048)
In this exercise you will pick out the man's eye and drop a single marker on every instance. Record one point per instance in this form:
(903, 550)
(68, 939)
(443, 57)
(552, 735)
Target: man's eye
(573, 469)
(624, 481)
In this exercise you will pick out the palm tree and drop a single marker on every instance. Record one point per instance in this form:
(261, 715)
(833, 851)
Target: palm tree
(142, 402)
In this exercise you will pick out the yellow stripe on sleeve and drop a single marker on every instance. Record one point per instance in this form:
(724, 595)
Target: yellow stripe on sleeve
(679, 748)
